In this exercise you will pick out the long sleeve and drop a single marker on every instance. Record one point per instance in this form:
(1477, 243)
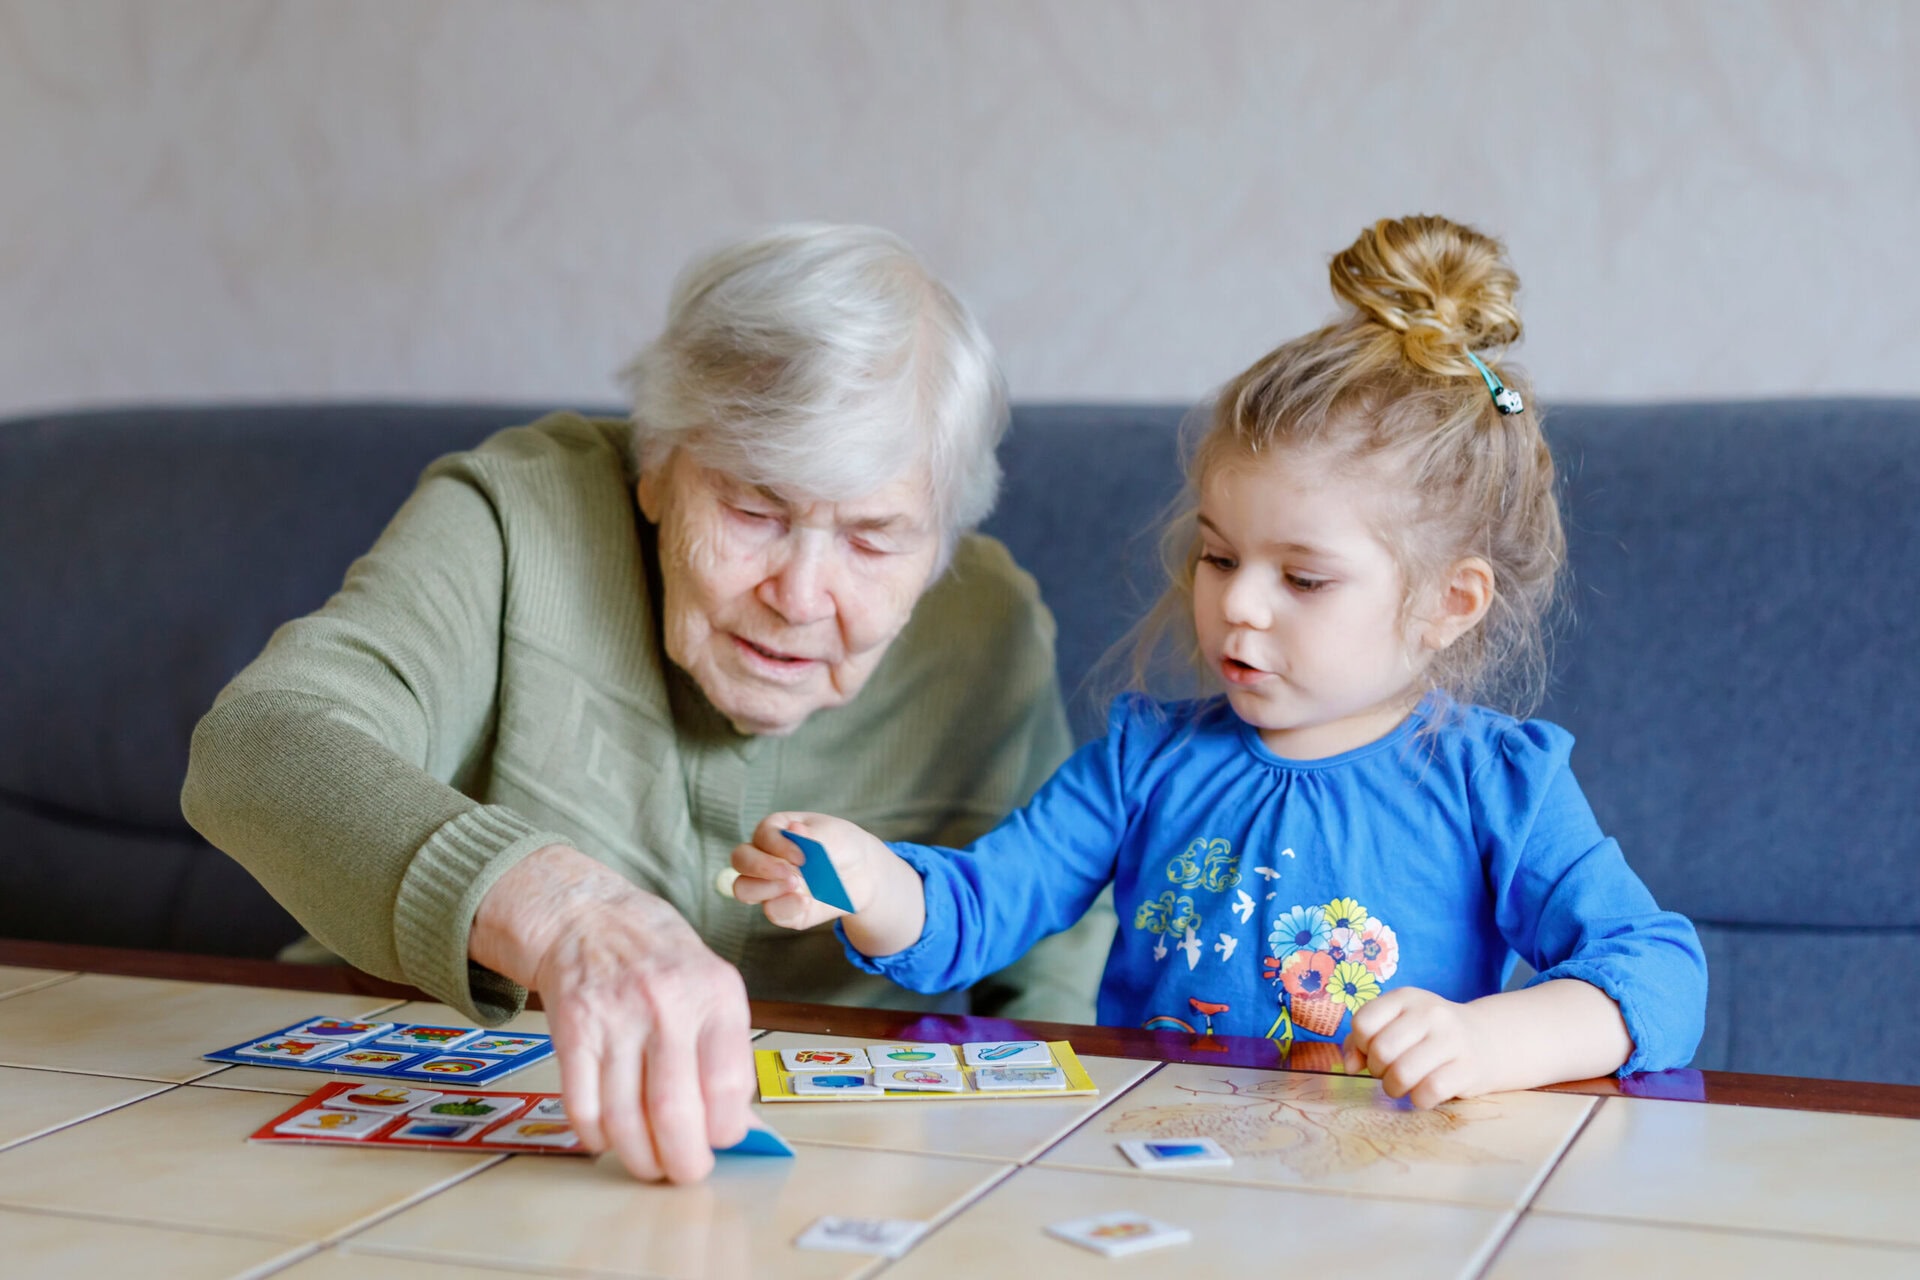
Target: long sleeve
(1567, 902)
(1030, 877)
(328, 767)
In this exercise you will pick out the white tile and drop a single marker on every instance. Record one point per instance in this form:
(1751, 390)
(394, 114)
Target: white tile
(1592, 1249)
(181, 1158)
(1336, 1133)
(44, 1246)
(1751, 1168)
(1238, 1231)
(149, 1028)
(36, 1102)
(557, 1213)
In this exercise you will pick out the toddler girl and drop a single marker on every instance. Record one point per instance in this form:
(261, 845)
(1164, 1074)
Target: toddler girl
(1341, 837)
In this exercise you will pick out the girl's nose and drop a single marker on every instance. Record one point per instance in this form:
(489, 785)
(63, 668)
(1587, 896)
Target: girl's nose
(1244, 604)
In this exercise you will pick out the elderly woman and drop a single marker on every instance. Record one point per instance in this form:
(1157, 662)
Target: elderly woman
(517, 748)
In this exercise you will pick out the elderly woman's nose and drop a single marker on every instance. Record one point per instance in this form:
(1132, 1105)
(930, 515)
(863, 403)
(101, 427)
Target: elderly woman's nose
(797, 586)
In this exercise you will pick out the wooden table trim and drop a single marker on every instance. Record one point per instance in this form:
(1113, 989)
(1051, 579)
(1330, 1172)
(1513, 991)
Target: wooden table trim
(1725, 1088)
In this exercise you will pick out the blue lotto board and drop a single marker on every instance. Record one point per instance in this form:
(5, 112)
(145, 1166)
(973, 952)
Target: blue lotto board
(393, 1050)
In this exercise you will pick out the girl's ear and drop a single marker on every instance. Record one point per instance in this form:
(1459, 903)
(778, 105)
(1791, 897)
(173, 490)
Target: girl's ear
(1465, 596)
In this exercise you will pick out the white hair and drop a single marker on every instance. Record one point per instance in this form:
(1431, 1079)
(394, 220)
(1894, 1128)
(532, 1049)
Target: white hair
(825, 361)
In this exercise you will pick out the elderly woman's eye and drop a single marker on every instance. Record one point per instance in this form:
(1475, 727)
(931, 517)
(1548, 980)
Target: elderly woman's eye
(752, 513)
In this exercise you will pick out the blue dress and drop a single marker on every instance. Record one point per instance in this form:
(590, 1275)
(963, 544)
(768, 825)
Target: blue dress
(1262, 896)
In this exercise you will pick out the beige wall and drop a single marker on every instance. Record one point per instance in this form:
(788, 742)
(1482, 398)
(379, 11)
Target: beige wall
(218, 198)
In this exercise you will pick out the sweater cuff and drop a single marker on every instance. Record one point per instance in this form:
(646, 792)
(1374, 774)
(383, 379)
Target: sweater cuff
(926, 965)
(433, 914)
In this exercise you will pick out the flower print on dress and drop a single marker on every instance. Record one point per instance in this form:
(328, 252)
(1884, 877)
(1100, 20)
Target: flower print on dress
(1307, 974)
(1344, 945)
(1205, 864)
(1352, 985)
(1379, 950)
(1345, 913)
(1301, 928)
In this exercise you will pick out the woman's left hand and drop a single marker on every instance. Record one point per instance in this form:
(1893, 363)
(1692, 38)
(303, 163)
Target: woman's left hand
(1423, 1047)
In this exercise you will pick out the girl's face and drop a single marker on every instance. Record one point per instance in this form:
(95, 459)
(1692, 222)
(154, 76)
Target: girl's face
(1297, 604)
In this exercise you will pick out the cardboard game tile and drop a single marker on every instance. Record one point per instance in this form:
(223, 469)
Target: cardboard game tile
(1005, 1079)
(291, 1048)
(535, 1133)
(426, 1037)
(1008, 1053)
(1118, 1234)
(326, 1123)
(886, 1237)
(912, 1055)
(823, 882)
(1176, 1153)
(830, 1084)
(921, 1079)
(469, 1108)
(338, 1029)
(382, 1099)
(823, 1058)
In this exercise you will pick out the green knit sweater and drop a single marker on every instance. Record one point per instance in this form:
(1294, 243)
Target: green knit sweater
(490, 680)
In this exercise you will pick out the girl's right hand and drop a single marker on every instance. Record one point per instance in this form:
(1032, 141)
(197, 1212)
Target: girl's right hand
(769, 867)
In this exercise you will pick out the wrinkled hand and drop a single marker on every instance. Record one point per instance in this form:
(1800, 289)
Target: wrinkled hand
(1421, 1046)
(769, 867)
(651, 1028)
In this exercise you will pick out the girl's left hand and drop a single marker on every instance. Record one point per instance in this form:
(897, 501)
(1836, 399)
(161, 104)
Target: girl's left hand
(1421, 1046)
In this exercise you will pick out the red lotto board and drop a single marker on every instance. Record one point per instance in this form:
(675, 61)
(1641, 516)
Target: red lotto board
(379, 1114)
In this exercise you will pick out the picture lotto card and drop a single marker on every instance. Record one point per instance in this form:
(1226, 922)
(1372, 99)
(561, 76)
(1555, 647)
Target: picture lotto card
(910, 1072)
(418, 1052)
(398, 1115)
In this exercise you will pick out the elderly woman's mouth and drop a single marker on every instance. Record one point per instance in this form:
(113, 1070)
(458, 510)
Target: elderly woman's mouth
(774, 658)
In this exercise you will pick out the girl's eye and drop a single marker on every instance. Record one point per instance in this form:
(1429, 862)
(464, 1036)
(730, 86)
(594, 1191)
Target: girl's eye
(1222, 563)
(1299, 583)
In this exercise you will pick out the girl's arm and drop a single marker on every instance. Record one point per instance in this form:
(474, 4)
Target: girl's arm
(1621, 984)
(935, 919)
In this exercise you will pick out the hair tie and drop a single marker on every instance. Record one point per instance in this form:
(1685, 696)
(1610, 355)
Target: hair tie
(1505, 398)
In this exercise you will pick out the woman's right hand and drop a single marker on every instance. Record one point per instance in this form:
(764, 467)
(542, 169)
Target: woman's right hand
(650, 1026)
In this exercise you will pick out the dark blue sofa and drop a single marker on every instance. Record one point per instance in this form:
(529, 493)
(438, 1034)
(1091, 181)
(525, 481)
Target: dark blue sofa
(1739, 670)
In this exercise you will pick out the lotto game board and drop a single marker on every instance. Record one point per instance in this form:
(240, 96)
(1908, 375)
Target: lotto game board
(393, 1050)
(907, 1072)
(398, 1115)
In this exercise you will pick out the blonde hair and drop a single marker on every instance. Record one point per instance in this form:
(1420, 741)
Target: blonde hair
(1388, 390)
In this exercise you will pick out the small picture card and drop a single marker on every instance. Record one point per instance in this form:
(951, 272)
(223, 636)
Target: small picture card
(1009, 1053)
(418, 1130)
(837, 1084)
(324, 1123)
(824, 1058)
(419, 1037)
(1001, 1079)
(454, 1066)
(469, 1108)
(369, 1060)
(921, 1079)
(291, 1048)
(1119, 1234)
(504, 1046)
(823, 882)
(1176, 1153)
(912, 1055)
(548, 1109)
(382, 1099)
(335, 1029)
(529, 1132)
(885, 1237)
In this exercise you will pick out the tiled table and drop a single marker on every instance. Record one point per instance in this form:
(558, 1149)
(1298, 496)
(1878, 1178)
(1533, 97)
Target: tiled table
(123, 1152)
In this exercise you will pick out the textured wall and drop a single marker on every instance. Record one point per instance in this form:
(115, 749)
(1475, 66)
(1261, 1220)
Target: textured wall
(487, 198)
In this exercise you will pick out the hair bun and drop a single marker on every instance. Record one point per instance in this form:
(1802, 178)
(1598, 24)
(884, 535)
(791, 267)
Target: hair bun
(1444, 288)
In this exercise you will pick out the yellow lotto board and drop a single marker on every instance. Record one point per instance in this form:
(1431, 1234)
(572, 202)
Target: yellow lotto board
(776, 1083)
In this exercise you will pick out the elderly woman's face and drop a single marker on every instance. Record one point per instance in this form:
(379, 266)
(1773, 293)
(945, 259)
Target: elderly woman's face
(780, 607)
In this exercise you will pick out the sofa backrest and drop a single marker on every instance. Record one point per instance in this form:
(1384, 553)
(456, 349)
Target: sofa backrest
(1740, 652)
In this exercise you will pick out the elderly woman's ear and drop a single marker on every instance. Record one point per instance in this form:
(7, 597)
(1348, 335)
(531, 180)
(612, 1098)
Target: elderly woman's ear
(649, 489)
